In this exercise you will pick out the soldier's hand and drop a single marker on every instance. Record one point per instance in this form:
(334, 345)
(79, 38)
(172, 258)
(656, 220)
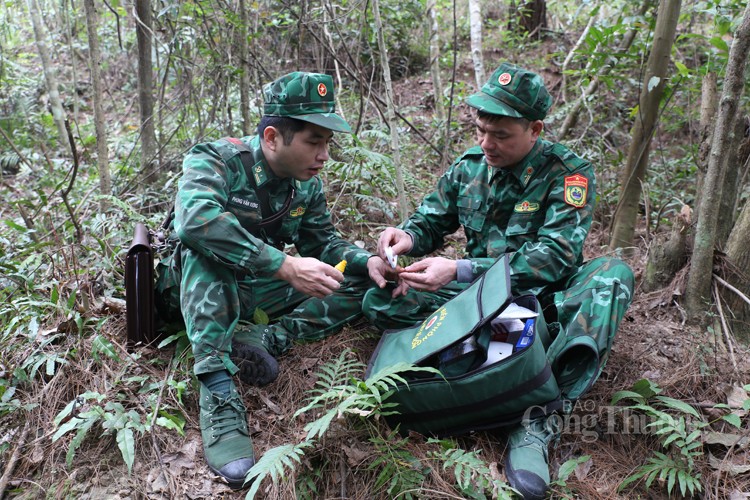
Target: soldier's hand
(400, 289)
(429, 274)
(310, 276)
(398, 239)
(380, 271)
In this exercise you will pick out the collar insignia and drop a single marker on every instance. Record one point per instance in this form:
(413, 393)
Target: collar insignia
(297, 211)
(526, 206)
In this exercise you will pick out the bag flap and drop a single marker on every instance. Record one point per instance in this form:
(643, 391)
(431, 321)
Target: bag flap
(454, 321)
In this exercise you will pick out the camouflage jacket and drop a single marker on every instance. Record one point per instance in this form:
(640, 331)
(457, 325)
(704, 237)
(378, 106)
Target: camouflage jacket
(217, 207)
(539, 212)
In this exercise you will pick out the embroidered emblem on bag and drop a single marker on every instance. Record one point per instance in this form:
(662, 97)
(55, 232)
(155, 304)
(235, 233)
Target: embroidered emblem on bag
(322, 90)
(297, 211)
(429, 327)
(576, 187)
(526, 206)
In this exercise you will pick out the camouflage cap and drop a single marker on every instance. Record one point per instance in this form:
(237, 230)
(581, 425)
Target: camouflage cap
(513, 91)
(304, 96)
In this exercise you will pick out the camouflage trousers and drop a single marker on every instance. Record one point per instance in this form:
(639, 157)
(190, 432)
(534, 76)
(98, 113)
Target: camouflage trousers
(582, 317)
(214, 301)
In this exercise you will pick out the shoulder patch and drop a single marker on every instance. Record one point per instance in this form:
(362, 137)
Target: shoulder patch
(576, 190)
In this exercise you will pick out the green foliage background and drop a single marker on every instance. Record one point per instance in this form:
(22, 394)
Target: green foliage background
(63, 365)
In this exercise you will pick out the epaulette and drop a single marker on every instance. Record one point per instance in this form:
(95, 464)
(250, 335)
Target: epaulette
(229, 147)
(472, 151)
(569, 159)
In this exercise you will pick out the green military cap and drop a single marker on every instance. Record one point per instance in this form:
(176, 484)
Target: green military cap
(304, 96)
(513, 91)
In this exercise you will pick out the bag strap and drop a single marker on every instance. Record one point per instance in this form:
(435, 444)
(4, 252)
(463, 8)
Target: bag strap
(271, 222)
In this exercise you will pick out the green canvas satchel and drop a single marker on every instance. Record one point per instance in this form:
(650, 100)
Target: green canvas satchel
(490, 349)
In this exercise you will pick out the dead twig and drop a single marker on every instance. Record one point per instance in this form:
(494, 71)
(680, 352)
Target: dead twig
(725, 327)
(14, 459)
(735, 290)
(64, 194)
(22, 439)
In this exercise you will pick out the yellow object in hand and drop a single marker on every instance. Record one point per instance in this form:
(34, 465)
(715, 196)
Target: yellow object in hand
(341, 266)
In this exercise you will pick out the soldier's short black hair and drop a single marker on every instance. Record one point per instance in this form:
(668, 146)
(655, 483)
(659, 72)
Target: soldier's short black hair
(491, 117)
(285, 125)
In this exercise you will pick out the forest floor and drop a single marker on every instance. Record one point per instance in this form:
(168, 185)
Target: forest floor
(652, 342)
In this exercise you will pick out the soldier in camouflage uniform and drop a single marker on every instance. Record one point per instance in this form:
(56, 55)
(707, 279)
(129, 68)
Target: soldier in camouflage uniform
(239, 202)
(520, 195)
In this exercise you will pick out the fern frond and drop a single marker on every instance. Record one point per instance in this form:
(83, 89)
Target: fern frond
(390, 376)
(678, 405)
(331, 385)
(9, 162)
(337, 371)
(77, 441)
(319, 426)
(131, 212)
(473, 475)
(276, 463)
(400, 471)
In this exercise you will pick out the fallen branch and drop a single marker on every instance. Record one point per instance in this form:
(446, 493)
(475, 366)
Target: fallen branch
(14, 459)
(735, 290)
(725, 327)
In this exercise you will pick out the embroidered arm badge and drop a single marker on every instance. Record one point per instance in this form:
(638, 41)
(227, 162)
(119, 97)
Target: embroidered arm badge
(576, 187)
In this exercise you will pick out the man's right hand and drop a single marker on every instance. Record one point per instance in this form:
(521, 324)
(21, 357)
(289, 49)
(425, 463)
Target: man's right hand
(310, 276)
(398, 239)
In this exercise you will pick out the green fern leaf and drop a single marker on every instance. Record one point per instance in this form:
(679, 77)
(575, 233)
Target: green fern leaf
(76, 442)
(671, 478)
(275, 462)
(126, 443)
(319, 427)
(678, 405)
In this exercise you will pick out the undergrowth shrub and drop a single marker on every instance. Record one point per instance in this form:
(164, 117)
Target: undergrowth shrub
(338, 398)
(679, 428)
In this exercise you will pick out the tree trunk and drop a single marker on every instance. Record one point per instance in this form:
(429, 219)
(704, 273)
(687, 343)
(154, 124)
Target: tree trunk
(654, 82)
(667, 258)
(738, 253)
(332, 50)
(572, 52)
(50, 77)
(301, 32)
(701, 267)
(244, 49)
(391, 112)
(572, 116)
(144, 29)
(475, 21)
(437, 84)
(533, 17)
(92, 23)
(66, 12)
(730, 188)
(709, 106)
